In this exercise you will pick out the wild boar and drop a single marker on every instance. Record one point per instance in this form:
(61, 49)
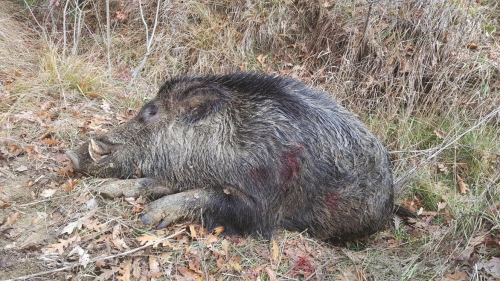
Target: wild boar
(249, 152)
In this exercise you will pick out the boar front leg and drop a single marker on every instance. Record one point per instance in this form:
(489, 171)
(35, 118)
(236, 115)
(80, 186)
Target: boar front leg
(229, 207)
(145, 187)
(173, 207)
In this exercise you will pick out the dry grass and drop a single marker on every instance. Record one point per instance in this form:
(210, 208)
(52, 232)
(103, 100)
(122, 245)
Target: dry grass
(419, 73)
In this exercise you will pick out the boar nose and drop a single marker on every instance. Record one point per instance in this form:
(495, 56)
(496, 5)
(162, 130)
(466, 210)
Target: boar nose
(74, 159)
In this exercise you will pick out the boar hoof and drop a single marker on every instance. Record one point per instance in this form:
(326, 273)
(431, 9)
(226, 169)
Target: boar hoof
(162, 224)
(148, 220)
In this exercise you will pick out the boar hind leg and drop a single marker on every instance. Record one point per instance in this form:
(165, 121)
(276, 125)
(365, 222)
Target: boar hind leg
(133, 188)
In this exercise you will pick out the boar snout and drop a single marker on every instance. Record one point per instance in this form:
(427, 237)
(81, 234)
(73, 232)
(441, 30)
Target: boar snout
(91, 152)
(74, 159)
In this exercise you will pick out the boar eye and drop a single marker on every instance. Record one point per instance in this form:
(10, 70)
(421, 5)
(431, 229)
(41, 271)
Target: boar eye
(148, 112)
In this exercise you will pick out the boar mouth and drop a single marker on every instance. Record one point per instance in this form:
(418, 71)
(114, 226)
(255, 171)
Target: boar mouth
(97, 150)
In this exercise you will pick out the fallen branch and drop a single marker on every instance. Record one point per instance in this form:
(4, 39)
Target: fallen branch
(75, 264)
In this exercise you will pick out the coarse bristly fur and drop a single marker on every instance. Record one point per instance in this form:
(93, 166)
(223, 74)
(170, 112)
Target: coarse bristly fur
(253, 153)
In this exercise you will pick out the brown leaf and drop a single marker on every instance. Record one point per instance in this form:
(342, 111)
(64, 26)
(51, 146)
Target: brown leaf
(442, 168)
(66, 171)
(439, 133)
(188, 274)
(137, 268)
(125, 271)
(472, 46)
(147, 238)
(270, 273)
(275, 251)
(457, 276)
(47, 193)
(51, 141)
(108, 273)
(474, 241)
(11, 219)
(464, 188)
(218, 230)
(261, 59)
(492, 266)
(119, 243)
(225, 247)
(154, 267)
(192, 230)
(93, 225)
(69, 185)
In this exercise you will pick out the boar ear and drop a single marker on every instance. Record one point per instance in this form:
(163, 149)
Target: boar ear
(199, 103)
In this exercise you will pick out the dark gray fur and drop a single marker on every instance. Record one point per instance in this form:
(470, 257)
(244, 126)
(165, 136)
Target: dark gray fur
(252, 153)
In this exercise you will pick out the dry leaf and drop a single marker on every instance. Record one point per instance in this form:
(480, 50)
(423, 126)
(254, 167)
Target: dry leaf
(136, 268)
(59, 247)
(84, 257)
(93, 225)
(192, 230)
(492, 266)
(51, 142)
(457, 276)
(69, 185)
(105, 106)
(474, 241)
(472, 46)
(154, 267)
(439, 133)
(47, 193)
(125, 269)
(464, 188)
(270, 273)
(108, 273)
(225, 247)
(147, 238)
(275, 251)
(21, 168)
(72, 226)
(218, 230)
(119, 243)
(11, 219)
(262, 60)
(441, 206)
(442, 168)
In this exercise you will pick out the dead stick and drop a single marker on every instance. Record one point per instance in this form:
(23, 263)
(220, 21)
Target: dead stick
(75, 264)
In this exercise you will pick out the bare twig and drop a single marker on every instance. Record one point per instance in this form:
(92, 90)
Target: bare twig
(108, 36)
(77, 30)
(367, 21)
(65, 37)
(149, 41)
(75, 264)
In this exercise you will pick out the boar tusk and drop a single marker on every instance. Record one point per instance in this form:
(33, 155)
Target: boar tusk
(93, 151)
(74, 159)
(99, 147)
(98, 150)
